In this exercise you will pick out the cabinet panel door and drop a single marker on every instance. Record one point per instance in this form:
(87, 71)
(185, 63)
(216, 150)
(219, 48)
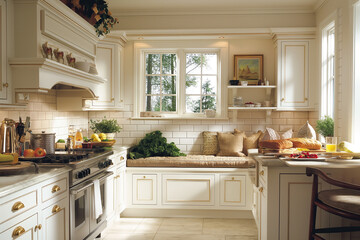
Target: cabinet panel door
(120, 189)
(144, 189)
(188, 189)
(294, 83)
(105, 64)
(262, 212)
(232, 190)
(3, 57)
(55, 221)
(295, 198)
(27, 225)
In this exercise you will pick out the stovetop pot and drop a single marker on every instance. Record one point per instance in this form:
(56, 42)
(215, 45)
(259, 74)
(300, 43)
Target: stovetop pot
(43, 140)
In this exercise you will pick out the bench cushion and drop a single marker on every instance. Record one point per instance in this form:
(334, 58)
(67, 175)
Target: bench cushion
(193, 161)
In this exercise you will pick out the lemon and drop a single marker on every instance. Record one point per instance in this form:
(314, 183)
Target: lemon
(95, 138)
(102, 136)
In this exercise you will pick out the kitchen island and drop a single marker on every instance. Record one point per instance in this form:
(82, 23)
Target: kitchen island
(282, 194)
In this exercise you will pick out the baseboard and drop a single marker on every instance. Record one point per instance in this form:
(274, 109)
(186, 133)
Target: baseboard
(186, 213)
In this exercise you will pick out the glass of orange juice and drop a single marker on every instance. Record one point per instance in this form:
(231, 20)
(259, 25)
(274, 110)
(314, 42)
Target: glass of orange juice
(331, 144)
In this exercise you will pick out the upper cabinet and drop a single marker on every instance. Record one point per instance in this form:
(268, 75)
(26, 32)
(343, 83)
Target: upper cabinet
(3, 57)
(296, 73)
(109, 64)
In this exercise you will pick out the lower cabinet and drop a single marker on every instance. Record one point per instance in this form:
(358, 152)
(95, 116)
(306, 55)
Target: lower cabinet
(232, 190)
(188, 190)
(37, 212)
(120, 189)
(26, 229)
(55, 224)
(144, 189)
(263, 216)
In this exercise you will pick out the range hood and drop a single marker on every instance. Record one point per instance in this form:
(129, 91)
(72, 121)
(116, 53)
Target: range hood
(41, 74)
(40, 23)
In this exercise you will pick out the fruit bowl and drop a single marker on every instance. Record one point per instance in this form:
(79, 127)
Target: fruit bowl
(109, 143)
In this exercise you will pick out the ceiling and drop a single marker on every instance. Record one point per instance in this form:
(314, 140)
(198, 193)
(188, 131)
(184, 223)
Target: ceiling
(146, 7)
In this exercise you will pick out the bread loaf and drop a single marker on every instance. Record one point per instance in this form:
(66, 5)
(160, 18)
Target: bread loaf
(276, 144)
(308, 143)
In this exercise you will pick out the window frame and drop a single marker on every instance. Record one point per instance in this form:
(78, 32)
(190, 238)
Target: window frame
(180, 48)
(328, 71)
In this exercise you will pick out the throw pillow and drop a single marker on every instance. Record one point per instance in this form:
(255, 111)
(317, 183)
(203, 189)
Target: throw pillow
(251, 141)
(211, 146)
(270, 134)
(307, 131)
(287, 134)
(230, 144)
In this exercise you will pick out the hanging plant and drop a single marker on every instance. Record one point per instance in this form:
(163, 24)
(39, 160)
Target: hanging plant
(96, 12)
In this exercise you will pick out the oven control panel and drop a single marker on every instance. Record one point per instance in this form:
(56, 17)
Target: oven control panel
(104, 164)
(83, 173)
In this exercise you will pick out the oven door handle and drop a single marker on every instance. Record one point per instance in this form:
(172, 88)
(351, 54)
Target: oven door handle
(74, 191)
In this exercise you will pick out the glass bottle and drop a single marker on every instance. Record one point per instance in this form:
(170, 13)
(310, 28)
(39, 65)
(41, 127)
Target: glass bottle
(78, 139)
(72, 136)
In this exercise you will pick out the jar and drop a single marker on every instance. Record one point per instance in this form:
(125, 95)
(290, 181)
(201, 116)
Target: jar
(238, 101)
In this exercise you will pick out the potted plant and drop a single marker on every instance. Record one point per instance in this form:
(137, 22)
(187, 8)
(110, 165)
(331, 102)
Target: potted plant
(108, 126)
(325, 127)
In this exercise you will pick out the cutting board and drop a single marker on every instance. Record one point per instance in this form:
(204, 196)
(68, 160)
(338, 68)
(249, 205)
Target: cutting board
(20, 167)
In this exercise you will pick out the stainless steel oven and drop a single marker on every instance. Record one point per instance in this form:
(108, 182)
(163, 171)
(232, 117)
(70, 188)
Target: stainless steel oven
(83, 223)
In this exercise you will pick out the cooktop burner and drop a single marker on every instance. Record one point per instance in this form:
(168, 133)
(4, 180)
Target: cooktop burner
(66, 157)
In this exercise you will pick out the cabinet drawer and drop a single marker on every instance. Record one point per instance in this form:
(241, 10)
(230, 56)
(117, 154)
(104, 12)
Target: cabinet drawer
(22, 230)
(188, 189)
(232, 190)
(18, 205)
(53, 189)
(144, 189)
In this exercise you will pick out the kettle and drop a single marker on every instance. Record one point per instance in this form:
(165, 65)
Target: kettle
(8, 143)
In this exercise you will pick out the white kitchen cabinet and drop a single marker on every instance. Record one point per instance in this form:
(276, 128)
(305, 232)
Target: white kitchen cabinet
(195, 190)
(296, 74)
(3, 58)
(23, 230)
(109, 64)
(55, 221)
(144, 189)
(232, 190)
(120, 189)
(263, 207)
(295, 199)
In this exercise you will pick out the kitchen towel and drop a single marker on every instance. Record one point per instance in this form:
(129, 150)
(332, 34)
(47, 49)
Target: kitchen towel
(97, 198)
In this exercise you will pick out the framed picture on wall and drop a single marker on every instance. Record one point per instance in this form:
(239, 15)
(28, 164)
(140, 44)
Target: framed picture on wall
(249, 68)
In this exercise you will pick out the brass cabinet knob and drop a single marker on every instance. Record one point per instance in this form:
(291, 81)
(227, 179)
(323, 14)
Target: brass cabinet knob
(122, 158)
(56, 209)
(144, 176)
(38, 227)
(233, 178)
(17, 206)
(261, 189)
(117, 176)
(283, 99)
(18, 231)
(55, 189)
(5, 85)
(306, 99)
(112, 99)
(262, 173)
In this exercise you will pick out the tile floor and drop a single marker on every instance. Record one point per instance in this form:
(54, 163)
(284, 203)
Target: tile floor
(181, 228)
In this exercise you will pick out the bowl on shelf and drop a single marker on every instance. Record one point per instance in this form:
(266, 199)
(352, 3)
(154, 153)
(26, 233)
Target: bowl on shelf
(234, 82)
(249, 104)
(244, 83)
(257, 104)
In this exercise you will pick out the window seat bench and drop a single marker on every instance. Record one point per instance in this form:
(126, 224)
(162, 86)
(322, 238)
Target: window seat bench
(193, 161)
(192, 186)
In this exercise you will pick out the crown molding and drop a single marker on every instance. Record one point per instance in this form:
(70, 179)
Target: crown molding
(243, 11)
(319, 4)
(238, 33)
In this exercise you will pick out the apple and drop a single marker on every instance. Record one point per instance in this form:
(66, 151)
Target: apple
(40, 152)
(29, 153)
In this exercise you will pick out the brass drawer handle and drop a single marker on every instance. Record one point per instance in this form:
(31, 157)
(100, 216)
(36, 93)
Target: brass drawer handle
(38, 227)
(5, 85)
(117, 176)
(17, 206)
(262, 173)
(261, 189)
(233, 178)
(55, 189)
(18, 231)
(122, 158)
(56, 209)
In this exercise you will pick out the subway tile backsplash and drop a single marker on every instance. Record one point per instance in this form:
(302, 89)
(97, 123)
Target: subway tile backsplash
(186, 134)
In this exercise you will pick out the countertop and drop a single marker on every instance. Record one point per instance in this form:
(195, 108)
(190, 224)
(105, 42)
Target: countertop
(272, 161)
(11, 184)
